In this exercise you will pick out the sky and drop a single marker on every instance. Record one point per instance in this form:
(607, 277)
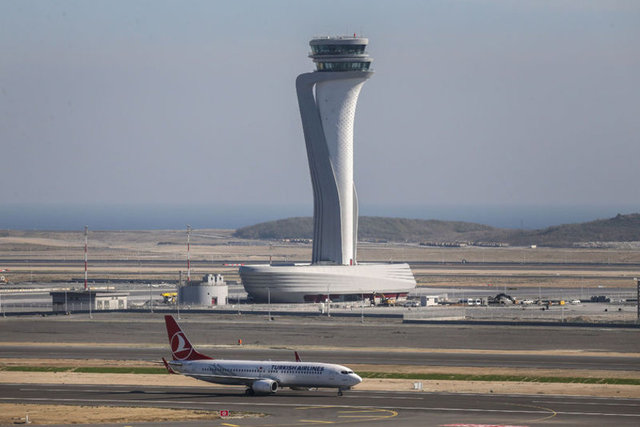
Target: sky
(473, 103)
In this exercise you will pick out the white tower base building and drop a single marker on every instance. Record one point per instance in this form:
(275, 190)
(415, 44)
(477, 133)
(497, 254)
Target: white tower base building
(315, 283)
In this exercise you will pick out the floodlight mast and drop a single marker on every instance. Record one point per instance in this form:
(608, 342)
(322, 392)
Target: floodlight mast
(86, 239)
(188, 253)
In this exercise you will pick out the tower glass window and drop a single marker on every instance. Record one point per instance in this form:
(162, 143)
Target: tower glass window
(338, 49)
(343, 66)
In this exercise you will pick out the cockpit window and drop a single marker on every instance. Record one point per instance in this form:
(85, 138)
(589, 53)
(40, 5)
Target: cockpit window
(344, 372)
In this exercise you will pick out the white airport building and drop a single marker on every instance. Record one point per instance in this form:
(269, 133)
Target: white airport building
(210, 292)
(327, 99)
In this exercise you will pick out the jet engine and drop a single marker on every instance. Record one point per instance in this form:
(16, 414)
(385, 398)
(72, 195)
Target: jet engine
(264, 386)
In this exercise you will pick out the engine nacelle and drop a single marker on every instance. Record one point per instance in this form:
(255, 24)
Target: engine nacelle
(264, 386)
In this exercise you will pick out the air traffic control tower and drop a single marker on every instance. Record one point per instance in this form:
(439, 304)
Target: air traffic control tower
(327, 98)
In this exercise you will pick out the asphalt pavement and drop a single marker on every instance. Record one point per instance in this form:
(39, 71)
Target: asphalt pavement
(303, 408)
(341, 356)
(295, 332)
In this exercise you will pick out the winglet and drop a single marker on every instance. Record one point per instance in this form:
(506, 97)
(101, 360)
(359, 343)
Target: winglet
(181, 348)
(166, 365)
(297, 356)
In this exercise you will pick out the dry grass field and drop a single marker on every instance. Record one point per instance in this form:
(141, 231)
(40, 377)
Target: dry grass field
(160, 254)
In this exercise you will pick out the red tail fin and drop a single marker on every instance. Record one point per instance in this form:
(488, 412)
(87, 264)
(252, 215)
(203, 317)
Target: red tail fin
(181, 348)
(297, 356)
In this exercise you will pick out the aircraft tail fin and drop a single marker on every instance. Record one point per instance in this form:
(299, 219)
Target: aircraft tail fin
(297, 356)
(181, 348)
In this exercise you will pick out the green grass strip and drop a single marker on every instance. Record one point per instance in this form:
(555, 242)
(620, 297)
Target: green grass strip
(85, 370)
(384, 375)
(120, 370)
(35, 369)
(500, 378)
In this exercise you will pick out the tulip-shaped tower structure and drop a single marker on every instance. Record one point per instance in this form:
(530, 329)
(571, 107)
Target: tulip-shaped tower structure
(327, 98)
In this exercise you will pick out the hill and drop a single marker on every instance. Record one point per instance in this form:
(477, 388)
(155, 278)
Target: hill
(621, 228)
(376, 229)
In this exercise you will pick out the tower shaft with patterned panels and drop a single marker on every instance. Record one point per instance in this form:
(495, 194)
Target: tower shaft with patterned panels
(327, 98)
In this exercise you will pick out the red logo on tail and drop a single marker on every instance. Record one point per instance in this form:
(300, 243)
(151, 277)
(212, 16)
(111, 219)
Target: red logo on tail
(180, 346)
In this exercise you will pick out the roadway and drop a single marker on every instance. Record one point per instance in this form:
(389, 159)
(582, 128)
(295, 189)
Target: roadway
(302, 408)
(512, 265)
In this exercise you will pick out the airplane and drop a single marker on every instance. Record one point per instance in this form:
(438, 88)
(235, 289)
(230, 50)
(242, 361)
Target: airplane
(259, 376)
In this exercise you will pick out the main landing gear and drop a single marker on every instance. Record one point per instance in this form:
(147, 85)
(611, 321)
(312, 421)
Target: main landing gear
(340, 392)
(249, 392)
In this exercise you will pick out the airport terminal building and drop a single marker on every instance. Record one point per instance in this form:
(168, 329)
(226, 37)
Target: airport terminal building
(327, 100)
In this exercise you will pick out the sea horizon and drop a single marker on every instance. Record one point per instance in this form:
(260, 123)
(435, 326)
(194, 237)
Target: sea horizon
(62, 217)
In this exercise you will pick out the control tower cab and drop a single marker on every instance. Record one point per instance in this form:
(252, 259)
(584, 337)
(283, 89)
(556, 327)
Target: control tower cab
(340, 54)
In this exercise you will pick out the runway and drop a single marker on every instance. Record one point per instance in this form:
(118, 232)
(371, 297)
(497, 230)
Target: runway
(343, 356)
(143, 337)
(294, 332)
(298, 408)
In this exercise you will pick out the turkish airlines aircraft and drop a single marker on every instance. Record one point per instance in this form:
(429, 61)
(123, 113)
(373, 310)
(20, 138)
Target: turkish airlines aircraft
(259, 376)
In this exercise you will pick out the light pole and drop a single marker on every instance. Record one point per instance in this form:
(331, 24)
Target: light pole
(638, 299)
(269, 302)
(178, 304)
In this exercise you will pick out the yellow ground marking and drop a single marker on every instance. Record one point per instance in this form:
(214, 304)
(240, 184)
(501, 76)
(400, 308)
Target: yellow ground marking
(316, 407)
(372, 417)
(360, 414)
(553, 413)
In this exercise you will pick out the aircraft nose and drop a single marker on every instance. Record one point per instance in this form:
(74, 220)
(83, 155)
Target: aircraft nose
(356, 379)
